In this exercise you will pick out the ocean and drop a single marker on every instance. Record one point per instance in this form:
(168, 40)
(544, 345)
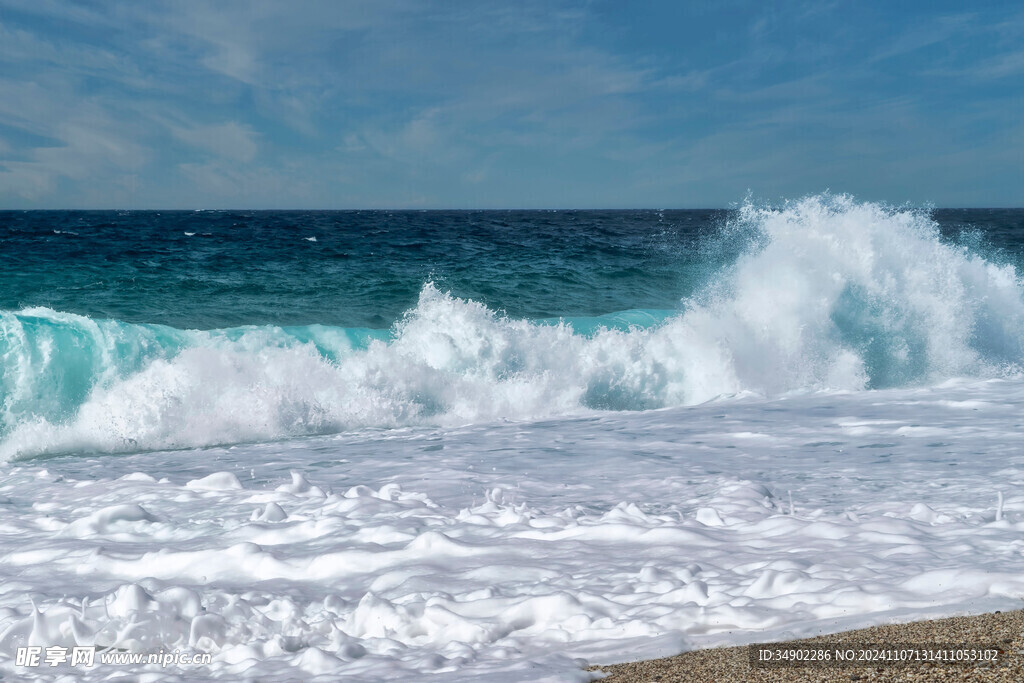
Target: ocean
(501, 444)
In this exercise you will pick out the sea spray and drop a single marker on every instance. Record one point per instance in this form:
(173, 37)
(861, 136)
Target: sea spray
(828, 294)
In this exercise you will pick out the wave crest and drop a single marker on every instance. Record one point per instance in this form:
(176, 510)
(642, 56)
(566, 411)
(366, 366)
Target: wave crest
(830, 294)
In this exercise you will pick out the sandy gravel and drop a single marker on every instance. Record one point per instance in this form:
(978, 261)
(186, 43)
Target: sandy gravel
(1003, 631)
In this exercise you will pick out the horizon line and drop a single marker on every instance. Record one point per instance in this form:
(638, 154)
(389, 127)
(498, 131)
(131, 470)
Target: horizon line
(440, 209)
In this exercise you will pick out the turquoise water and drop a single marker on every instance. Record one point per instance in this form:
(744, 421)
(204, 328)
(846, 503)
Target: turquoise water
(128, 331)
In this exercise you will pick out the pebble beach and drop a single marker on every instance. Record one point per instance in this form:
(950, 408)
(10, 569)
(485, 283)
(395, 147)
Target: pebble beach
(1001, 630)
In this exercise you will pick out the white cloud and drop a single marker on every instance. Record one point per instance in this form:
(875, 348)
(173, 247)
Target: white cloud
(23, 180)
(231, 140)
(87, 146)
(222, 185)
(363, 100)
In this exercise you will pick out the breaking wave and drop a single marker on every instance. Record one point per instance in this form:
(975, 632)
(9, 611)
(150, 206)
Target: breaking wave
(831, 294)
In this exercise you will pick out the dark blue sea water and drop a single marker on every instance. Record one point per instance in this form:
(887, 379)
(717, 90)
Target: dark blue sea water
(118, 326)
(349, 268)
(215, 269)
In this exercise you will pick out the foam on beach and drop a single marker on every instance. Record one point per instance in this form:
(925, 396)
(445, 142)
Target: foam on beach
(437, 553)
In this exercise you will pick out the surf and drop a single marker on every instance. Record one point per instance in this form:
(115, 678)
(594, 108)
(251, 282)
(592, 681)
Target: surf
(827, 294)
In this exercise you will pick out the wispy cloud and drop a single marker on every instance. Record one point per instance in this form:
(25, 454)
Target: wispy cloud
(388, 102)
(232, 141)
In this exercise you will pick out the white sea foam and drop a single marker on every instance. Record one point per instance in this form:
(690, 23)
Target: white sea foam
(524, 511)
(833, 295)
(511, 551)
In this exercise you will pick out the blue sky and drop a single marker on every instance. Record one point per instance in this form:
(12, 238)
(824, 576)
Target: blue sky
(409, 103)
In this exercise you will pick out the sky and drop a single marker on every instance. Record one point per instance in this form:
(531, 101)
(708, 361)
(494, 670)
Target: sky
(479, 104)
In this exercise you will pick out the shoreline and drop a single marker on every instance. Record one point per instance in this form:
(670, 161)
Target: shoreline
(1000, 631)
